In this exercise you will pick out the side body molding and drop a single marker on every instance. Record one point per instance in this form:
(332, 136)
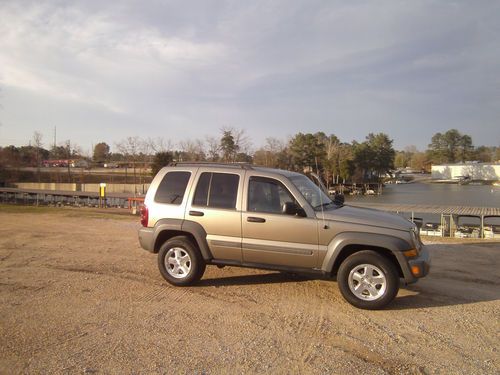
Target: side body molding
(339, 242)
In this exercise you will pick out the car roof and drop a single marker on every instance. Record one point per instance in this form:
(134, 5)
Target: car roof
(277, 171)
(246, 166)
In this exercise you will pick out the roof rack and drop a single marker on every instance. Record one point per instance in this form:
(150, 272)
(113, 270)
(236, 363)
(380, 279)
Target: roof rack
(212, 164)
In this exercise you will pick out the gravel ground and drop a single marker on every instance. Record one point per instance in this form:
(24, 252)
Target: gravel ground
(78, 295)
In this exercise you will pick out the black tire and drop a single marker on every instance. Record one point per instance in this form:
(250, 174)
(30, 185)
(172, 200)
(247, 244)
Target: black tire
(368, 280)
(180, 261)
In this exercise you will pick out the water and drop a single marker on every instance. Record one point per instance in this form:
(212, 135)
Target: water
(435, 194)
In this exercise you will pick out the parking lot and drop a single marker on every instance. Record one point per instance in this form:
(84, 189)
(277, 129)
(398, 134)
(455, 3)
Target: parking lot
(78, 295)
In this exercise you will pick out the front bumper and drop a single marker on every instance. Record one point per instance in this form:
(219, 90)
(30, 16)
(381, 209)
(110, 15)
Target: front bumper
(418, 267)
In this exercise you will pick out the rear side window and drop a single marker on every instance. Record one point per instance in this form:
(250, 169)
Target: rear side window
(218, 190)
(172, 188)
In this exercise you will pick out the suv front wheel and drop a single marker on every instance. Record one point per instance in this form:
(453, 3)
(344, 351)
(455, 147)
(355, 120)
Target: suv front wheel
(180, 261)
(368, 280)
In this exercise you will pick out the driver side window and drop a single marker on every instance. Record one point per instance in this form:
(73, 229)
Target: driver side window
(267, 195)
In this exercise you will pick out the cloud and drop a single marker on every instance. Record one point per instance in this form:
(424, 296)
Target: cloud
(68, 54)
(272, 67)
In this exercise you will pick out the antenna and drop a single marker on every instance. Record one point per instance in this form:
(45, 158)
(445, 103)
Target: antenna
(320, 194)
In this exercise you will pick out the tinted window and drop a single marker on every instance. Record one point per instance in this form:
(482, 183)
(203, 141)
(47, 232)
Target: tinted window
(201, 194)
(218, 190)
(267, 195)
(172, 188)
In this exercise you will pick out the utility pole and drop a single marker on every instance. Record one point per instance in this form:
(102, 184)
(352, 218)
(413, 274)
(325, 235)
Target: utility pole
(69, 161)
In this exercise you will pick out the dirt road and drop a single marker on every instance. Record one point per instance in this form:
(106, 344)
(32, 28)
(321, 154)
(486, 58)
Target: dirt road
(78, 295)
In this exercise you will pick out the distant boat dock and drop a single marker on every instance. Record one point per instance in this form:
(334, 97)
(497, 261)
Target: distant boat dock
(450, 216)
(62, 198)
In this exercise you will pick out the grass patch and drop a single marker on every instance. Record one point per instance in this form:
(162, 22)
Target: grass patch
(100, 213)
(18, 209)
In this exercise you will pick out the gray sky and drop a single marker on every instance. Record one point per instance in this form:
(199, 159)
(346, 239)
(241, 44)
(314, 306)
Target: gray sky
(105, 70)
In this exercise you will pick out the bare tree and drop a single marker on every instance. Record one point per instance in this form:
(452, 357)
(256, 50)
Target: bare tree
(67, 147)
(332, 149)
(269, 154)
(130, 147)
(37, 142)
(193, 150)
(241, 139)
(274, 145)
(153, 146)
(213, 148)
(159, 144)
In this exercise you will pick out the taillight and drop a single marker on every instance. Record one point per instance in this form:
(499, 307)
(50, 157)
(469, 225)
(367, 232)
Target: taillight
(144, 215)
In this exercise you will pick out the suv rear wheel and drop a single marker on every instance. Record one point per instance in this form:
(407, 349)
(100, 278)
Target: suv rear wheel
(368, 280)
(180, 261)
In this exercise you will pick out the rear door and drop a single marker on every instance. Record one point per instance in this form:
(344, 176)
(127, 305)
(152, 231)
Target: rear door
(215, 204)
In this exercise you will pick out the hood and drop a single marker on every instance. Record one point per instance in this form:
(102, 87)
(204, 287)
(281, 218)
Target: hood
(367, 216)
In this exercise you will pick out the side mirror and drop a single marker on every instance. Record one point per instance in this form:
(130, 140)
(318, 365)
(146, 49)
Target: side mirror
(290, 208)
(339, 199)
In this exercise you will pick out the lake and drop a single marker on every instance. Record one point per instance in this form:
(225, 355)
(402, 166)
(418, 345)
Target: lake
(435, 194)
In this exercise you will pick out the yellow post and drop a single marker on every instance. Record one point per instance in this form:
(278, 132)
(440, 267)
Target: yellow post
(102, 194)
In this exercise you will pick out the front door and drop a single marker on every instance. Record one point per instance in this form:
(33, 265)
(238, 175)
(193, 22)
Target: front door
(271, 237)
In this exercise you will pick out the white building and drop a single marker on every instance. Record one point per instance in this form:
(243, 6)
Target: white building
(474, 171)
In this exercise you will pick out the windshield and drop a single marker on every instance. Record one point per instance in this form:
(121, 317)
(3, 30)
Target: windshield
(312, 193)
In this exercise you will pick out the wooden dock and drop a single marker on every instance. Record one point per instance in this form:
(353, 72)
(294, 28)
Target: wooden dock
(449, 218)
(431, 209)
(61, 197)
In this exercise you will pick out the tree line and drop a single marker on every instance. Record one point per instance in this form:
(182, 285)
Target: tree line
(446, 148)
(318, 152)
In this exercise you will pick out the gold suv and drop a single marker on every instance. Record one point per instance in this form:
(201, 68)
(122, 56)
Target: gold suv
(197, 214)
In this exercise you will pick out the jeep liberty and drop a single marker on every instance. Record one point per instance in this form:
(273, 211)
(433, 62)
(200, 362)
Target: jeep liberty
(198, 214)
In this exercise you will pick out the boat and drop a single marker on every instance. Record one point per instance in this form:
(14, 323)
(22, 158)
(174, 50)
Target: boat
(431, 229)
(492, 231)
(464, 180)
(467, 231)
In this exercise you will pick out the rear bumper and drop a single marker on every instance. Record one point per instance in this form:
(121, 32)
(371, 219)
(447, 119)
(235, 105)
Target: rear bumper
(146, 239)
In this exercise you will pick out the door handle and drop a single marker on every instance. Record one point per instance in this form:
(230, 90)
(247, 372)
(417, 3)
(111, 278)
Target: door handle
(196, 213)
(252, 219)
